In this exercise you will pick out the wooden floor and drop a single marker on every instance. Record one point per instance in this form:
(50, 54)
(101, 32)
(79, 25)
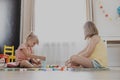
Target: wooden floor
(112, 74)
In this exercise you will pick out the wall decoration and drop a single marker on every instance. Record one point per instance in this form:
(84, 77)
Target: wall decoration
(106, 17)
(104, 11)
(106, 14)
(118, 11)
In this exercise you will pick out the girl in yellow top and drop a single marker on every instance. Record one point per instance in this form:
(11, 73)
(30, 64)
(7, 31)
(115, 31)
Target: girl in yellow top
(94, 55)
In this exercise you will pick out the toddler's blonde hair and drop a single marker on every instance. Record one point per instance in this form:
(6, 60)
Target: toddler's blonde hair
(32, 36)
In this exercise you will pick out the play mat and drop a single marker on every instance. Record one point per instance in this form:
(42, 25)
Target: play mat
(53, 69)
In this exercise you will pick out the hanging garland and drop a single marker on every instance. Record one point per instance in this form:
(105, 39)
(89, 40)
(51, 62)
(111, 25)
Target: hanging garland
(104, 11)
(118, 11)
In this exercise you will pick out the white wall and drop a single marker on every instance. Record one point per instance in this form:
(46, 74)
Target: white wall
(59, 26)
(60, 20)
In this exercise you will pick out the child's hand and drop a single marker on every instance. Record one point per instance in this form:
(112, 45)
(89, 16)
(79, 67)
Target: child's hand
(36, 61)
(69, 65)
(42, 58)
(67, 62)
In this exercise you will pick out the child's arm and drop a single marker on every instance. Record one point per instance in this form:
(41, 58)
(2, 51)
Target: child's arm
(32, 55)
(36, 61)
(90, 47)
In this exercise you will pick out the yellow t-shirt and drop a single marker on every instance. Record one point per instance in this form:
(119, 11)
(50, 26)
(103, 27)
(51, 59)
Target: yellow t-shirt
(100, 53)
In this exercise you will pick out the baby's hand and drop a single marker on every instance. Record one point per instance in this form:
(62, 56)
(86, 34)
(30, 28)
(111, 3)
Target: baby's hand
(43, 58)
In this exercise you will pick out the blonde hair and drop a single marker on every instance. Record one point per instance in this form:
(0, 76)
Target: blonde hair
(90, 29)
(32, 36)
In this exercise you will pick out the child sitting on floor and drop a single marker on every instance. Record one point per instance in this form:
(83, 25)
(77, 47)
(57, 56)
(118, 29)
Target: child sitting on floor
(25, 56)
(94, 55)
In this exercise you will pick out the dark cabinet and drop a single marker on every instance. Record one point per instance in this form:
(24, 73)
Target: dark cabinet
(10, 15)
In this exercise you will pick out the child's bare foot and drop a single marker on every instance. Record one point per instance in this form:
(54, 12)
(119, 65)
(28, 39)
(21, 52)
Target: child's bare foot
(36, 66)
(80, 66)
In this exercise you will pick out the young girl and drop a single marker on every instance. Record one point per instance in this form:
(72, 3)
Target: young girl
(94, 55)
(24, 54)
